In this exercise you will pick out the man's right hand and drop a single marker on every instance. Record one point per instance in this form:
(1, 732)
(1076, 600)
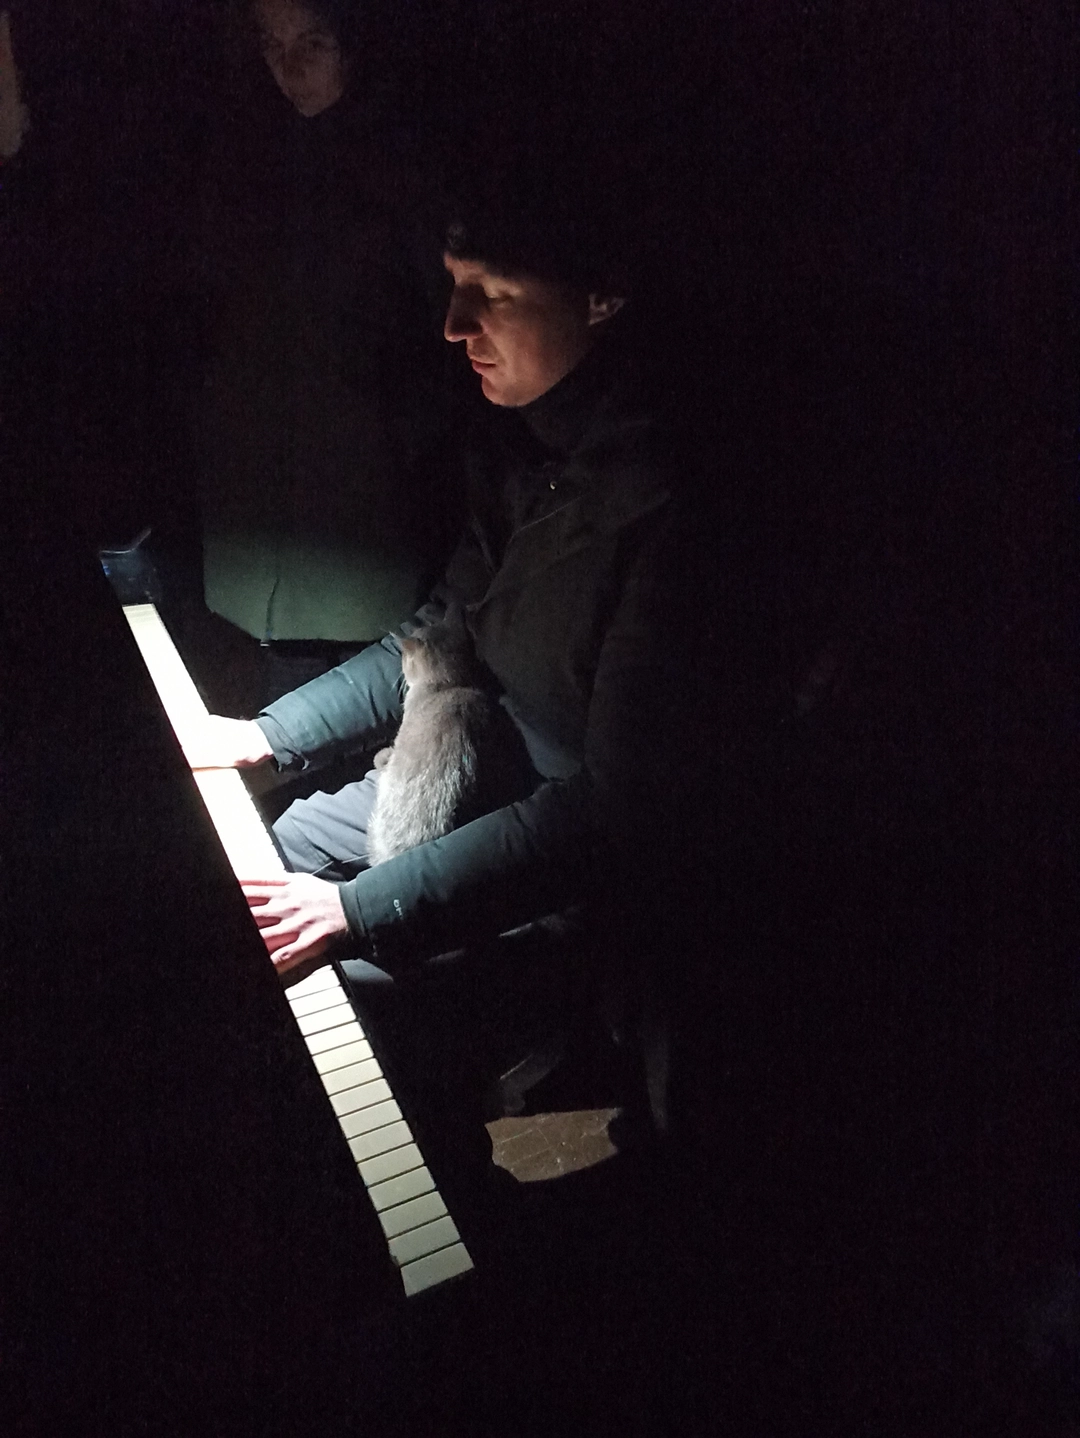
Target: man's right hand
(219, 743)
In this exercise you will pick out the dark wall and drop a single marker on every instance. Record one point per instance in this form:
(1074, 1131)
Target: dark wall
(862, 220)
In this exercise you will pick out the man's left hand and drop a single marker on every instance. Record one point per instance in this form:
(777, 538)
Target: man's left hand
(299, 915)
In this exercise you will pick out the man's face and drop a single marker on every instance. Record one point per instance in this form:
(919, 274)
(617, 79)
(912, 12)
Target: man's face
(522, 334)
(303, 54)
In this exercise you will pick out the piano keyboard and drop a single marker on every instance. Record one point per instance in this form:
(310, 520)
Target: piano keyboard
(422, 1237)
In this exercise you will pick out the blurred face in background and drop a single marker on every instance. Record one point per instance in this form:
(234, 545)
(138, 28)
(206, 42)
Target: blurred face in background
(303, 53)
(14, 120)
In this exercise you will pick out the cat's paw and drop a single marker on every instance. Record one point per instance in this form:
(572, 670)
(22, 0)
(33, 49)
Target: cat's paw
(382, 758)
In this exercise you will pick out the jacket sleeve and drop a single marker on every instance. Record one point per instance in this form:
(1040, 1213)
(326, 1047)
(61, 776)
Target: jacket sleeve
(553, 849)
(344, 710)
(358, 704)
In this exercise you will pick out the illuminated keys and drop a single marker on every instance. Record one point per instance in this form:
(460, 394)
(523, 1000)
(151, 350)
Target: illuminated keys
(423, 1239)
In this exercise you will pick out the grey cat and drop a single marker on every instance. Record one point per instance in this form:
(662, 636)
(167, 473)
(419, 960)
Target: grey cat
(430, 778)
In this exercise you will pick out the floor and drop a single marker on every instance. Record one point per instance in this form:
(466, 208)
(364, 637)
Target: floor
(573, 1120)
(547, 1145)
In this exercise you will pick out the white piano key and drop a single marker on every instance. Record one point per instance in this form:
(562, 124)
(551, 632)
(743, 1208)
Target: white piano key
(419, 1242)
(250, 851)
(423, 1238)
(302, 1004)
(415, 1212)
(378, 1115)
(351, 1076)
(403, 1159)
(343, 1057)
(365, 1096)
(180, 699)
(379, 1141)
(436, 1268)
(345, 1033)
(323, 1019)
(400, 1189)
(315, 983)
(355, 1094)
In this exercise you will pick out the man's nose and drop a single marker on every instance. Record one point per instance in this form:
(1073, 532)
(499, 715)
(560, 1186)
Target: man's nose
(461, 318)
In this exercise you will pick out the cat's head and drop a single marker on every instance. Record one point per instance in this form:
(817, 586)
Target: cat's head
(439, 655)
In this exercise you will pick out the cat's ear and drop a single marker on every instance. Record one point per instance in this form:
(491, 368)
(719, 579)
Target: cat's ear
(409, 645)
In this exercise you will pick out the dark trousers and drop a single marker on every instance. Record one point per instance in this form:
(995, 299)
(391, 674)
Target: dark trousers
(326, 834)
(284, 665)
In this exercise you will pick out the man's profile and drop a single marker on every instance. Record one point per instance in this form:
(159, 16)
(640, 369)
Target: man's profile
(568, 575)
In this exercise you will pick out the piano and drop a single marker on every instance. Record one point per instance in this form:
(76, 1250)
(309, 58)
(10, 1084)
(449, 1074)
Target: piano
(187, 1242)
(423, 1239)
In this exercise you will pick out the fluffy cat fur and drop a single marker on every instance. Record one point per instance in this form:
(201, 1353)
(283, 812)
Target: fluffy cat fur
(430, 778)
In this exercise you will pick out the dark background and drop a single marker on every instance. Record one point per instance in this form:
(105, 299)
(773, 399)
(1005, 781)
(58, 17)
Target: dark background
(865, 221)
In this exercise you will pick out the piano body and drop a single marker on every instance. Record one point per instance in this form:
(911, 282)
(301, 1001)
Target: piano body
(185, 1228)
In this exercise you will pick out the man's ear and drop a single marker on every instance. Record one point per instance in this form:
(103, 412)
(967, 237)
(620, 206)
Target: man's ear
(602, 307)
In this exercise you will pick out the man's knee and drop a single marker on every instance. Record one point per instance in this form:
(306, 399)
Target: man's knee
(297, 852)
(303, 855)
(326, 834)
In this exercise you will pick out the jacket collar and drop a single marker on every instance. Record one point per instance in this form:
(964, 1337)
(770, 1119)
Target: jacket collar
(562, 417)
(599, 422)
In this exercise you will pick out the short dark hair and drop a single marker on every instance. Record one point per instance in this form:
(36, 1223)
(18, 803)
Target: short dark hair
(343, 18)
(522, 224)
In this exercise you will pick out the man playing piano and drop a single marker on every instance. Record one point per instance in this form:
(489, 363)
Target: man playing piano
(569, 574)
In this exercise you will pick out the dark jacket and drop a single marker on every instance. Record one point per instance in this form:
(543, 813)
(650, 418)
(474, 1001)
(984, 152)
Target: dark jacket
(569, 574)
(325, 394)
